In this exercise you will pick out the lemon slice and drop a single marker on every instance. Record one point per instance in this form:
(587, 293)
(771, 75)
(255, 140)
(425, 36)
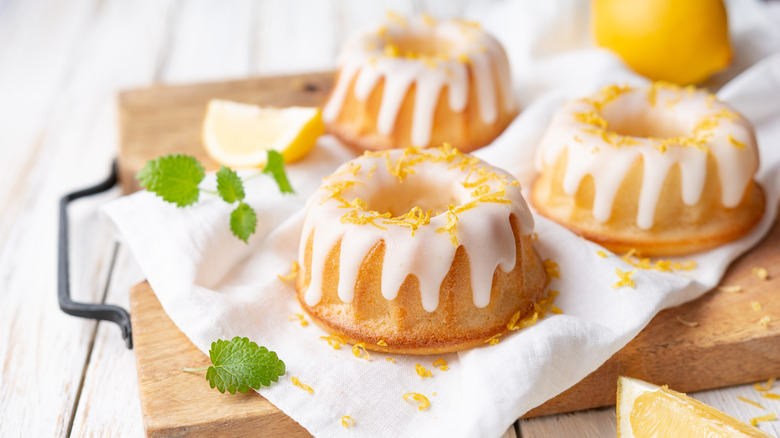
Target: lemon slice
(239, 134)
(647, 410)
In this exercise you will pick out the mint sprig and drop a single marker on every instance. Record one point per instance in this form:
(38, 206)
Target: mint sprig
(243, 221)
(176, 179)
(275, 168)
(240, 364)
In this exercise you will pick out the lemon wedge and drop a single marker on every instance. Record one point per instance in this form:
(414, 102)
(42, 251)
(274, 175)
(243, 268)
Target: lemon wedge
(239, 134)
(647, 410)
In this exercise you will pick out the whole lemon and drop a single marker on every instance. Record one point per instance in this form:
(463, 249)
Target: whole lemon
(679, 41)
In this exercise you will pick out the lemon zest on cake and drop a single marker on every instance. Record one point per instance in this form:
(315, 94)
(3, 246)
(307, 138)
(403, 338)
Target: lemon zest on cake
(347, 421)
(396, 18)
(390, 359)
(601, 254)
(298, 317)
(735, 289)
(756, 306)
(686, 322)
(381, 343)
(449, 226)
(736, 142)
(608, 94)
(293, 272)
(422, 401)
(770, 396)
(765, 320)
(760, 272)
(493, 340)
(590, 118)
(441, 364)
(334, 341)
(763, 418)
(750, 402)
(624, 279)
(301, 385)
(552, 268)
(766, 386)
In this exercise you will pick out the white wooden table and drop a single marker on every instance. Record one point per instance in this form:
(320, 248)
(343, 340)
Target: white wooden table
(62, 63)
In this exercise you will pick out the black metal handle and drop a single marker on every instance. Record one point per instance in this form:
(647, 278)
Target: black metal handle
(104, 312)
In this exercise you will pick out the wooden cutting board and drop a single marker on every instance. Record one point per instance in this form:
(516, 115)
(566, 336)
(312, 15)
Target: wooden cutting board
(728, 346)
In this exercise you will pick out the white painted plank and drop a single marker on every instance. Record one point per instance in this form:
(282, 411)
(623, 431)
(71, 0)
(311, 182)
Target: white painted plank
(211, 41)
(110, 403)
(42, 350)
(298, 39)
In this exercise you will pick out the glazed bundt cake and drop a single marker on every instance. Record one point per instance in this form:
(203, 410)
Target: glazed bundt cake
(418, 251)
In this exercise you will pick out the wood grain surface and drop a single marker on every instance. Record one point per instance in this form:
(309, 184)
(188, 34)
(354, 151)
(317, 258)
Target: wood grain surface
(727, 347)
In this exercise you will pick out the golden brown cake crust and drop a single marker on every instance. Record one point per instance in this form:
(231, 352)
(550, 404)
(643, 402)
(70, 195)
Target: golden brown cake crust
(403, 324)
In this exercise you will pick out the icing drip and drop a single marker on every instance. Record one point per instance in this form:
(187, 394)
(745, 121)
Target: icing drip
(372, 56)
(420, 242)
(664, 125)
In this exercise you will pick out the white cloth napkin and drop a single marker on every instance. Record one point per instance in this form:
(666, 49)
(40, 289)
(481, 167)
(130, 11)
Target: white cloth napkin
(215, 287)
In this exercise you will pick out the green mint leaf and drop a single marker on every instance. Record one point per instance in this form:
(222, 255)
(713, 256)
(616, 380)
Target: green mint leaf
(240, 364)
(174, 178)
(229, 186)
(275, 168)
(243, 221)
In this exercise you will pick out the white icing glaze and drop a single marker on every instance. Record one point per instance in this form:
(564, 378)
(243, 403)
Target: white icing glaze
(427, 252)
(692, 123)
(364, 60)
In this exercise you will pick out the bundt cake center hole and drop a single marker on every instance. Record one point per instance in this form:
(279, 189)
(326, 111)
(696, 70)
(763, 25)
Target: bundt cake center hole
(401, 197)
(419, 45)
(648, 122)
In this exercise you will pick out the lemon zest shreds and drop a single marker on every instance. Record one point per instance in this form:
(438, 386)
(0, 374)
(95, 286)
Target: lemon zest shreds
(390, 359)
(359, 350)
(301, 385)
(686, 323)
(493, 340)
(756, 306)
(381, 343)
(736, 142)
(298, 317)
(763, 418)
(601, 254)
(731, 289)
(293, 273)
(396, 18)
(347, 421)
(770, 396)
(624, 279)
(552, 268)
(422, 401)
(422, 371)
(590, 118)
(766, 386)
(765, 320)
(449, 226)
(761, 273)
(334, 341)
(441, 364)
(658, 265)
(751, 402)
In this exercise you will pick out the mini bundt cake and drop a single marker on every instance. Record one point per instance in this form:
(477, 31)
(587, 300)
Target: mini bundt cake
(420, 82)
(418, 251)
(662, 169)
